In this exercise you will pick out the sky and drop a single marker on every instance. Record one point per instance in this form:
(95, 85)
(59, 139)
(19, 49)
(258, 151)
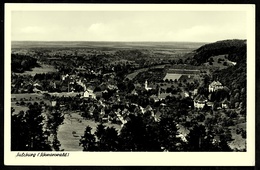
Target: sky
(187, 26)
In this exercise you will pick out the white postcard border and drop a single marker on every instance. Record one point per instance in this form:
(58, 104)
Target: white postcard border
(136, 158)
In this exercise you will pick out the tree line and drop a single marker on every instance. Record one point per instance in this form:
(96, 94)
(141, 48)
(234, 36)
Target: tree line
(21, 63)
(142, 134)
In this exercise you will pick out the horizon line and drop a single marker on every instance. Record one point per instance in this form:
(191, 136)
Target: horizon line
(122, 41)
(103, 41)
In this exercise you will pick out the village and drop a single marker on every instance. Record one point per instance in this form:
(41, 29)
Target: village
(126, 92)
(105, 100)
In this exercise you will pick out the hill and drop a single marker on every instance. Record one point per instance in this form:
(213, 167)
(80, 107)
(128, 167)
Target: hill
(235, 50)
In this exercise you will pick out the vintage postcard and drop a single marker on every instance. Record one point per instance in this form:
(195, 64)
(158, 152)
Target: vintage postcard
(114, 84)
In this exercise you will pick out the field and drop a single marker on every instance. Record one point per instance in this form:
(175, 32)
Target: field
(37, 70)
(175, 74)
(75, 123)
(219, 65)
(26, 97)
(134, 74)
(65, 94)
(17, 109)
(171, 76)
(183, 71)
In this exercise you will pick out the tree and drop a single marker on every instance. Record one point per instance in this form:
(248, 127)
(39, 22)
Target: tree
(56, 143)
(88, 140)
(55, 118)
(19, 132)
(100, 131)
(109, 141)
(224, 139)
(27, 130)
(132, 134)
(168, 132)
(199, 139)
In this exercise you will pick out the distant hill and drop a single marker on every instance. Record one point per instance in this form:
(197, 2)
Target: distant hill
(234, 49)
(106, 44)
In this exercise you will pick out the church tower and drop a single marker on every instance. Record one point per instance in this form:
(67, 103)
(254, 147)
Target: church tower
(145, 84)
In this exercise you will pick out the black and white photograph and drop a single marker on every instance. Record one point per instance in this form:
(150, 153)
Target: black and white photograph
(129, 82)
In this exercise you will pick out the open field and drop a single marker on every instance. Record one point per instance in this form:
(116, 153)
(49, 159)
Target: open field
(220, 64)
(17, 109)
(37, 70)
(65, 94)
(175, 74)
(27, 96)
(171, 76)
(76, 123)
(183, 71)
(134, 74)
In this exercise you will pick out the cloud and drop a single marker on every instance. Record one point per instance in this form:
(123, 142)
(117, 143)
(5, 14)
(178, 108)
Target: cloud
(101, 29)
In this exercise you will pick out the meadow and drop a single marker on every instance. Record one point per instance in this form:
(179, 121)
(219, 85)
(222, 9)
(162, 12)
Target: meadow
(38, 70)
(73, 127)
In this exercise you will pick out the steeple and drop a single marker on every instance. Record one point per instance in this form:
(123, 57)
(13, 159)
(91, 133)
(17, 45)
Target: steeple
(146, 86)
(159, 93)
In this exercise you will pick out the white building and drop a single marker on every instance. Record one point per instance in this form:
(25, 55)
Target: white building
(200, 101)
(224, 104)
(215, 85)
(53, 103)
(146, 86)
(89, 94)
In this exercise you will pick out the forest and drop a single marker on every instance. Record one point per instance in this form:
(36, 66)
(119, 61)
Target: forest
(21, 63)
(234, 49)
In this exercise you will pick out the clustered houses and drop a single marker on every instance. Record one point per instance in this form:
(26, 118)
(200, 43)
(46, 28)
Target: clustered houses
(201, 100)
(114, 105)
(121, 114)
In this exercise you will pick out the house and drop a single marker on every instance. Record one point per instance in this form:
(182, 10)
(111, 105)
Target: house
(185, 94)
(154, 98)
(53, 103)
(210, 104)
(195, 92)
(89, 94)
(215, 85)
(134, 92)
(36, 85)
(35, 90)
(200, 101)
(157, 116)
(63, 77)
(98, 94)
(224, 104)
(164, 95)
(148, 108)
